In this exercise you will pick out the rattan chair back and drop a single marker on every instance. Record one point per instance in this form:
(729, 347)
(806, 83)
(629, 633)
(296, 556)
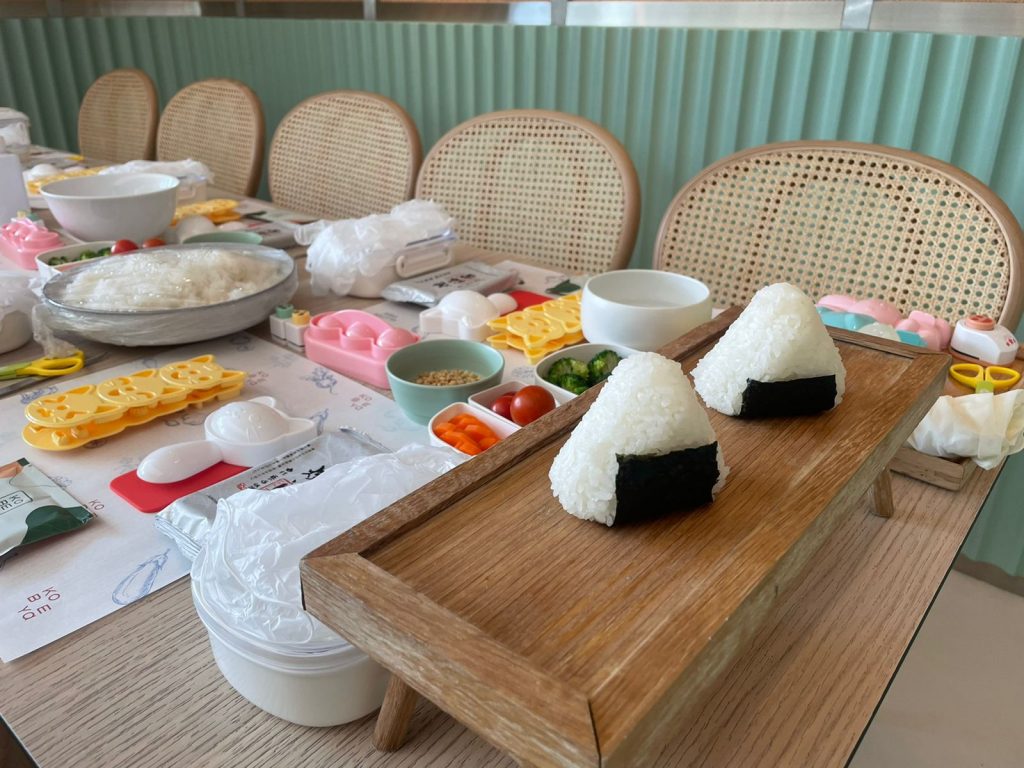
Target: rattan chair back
(220, 123)
(846, 218)
(344, 155)
(552, 187)
(118, 117)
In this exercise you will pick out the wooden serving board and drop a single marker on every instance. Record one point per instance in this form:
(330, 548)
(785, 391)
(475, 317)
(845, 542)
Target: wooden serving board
(564, 642)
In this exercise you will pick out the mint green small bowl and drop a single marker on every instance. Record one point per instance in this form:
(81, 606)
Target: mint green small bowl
(221, 236)
(421, 401)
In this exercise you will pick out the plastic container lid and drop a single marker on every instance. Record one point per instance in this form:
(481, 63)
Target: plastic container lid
(311, 657)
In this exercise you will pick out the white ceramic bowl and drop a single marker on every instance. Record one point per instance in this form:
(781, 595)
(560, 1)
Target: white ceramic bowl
(643, 309)
(583, 352)
(304, 685)
(117, 206)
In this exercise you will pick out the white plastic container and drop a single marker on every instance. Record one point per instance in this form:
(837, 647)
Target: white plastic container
(583, 352)
(43, 259)
(500, 426)
(482, 401)
(309, 685)
(416, 259)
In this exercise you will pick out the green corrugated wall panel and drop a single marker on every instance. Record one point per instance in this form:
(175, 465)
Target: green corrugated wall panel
(678, 99)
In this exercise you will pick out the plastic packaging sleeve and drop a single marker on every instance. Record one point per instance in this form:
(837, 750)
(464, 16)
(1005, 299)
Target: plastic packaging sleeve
(429, 288)
(187, 521)
(248, 569)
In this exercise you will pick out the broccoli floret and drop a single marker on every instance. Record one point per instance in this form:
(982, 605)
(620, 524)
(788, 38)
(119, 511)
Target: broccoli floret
(568, 366)
(573, 383)
(602, 365)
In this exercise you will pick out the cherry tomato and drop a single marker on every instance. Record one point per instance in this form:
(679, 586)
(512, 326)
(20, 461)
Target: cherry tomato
(530, 403)
(153, 242)
(503, 405)
(124, 246)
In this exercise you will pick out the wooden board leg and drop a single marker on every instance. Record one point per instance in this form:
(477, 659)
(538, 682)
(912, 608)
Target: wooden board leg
(882, 493)
(395, 714)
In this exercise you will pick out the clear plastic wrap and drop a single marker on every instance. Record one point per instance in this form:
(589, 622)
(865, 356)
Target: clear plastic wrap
(248, 568)
(14, 132)
(194, 176)
(340, 252)
(428, 289)
(182, 325)
(187, 521)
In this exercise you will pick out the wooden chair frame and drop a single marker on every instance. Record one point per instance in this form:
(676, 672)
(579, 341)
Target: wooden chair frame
(620, 254)
(151, 111)
(324, 195)
(252, 176)
(686, 219)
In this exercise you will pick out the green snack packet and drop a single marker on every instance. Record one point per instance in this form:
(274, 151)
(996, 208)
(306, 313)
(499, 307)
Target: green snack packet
(33, 507)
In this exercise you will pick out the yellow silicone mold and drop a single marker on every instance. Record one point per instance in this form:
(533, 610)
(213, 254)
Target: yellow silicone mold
(33, 187)
(78, 416)
(540, 329)
(218, 211)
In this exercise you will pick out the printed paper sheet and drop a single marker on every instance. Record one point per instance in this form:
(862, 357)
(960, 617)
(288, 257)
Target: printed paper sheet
(52, 588)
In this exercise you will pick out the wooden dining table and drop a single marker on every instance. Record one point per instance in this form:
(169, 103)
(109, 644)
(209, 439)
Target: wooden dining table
(140, 689)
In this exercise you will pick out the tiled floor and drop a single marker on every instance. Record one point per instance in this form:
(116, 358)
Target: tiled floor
(958, 699)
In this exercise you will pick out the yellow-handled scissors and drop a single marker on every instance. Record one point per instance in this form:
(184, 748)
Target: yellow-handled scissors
(44, 366)
(988, 378)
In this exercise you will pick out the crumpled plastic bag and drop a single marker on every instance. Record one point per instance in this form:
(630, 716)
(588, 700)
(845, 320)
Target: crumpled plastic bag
(985, 427)
(179, 168)
(16, 292)
(248, 568)
(16, 302)
(341, 251)
(193, 175)
(53, 345)
(15, 132)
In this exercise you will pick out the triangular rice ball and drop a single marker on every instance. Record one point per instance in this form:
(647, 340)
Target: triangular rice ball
(776, 359)
(644, 448)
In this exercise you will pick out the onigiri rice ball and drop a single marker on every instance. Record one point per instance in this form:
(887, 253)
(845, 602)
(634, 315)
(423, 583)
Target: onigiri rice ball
(644, 448)
(776, 359)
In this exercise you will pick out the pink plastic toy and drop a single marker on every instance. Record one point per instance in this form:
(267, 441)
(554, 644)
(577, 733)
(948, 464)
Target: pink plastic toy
(21, 240)
(935, 331)
(355, 343)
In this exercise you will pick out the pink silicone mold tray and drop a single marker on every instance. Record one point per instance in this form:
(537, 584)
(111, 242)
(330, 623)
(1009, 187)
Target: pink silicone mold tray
(21, 240)
(355, 343)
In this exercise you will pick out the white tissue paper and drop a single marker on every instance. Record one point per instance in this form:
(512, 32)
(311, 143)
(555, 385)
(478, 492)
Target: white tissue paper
(341, 251)
(248, 568)
(985, 427)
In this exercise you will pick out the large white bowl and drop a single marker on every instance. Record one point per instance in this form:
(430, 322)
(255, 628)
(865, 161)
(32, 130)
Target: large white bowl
(643, 309)
(118, 206)
(154, 327)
